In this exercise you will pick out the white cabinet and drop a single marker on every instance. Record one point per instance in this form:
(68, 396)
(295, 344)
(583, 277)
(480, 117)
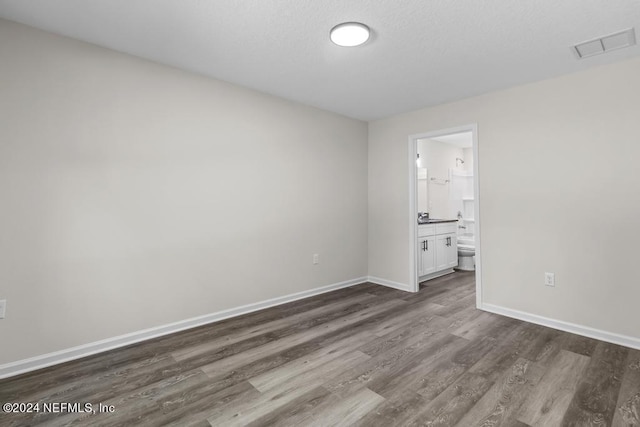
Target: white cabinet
(437, 249)
(426, 255)
(452, 253)
(446, 251)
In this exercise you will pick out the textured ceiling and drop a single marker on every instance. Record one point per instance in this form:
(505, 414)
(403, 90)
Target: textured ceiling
(422, 52)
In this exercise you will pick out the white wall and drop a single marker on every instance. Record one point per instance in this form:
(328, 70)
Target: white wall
(134, 194)
(438, 157)
(467, 155)
(559, 192)
(422, 192)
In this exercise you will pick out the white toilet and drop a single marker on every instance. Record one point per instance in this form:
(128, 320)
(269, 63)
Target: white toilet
(466, 252)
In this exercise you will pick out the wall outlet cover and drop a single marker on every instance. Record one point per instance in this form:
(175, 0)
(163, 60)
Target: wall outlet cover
(549, 279)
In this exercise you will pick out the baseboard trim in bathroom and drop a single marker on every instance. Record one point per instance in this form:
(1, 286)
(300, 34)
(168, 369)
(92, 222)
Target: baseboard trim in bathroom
(586, 331)
(38, 362)
(436, 275)
(390, 283)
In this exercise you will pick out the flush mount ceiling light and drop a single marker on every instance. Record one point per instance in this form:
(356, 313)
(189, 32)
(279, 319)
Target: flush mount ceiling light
(350, 34)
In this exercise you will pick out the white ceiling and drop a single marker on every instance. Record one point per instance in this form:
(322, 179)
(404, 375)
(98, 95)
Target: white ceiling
(421, 53)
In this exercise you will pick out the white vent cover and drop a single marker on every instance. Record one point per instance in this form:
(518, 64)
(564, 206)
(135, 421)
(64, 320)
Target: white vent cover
(605, 44)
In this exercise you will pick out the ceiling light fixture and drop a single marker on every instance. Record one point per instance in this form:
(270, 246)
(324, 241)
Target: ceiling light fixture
(350, 34)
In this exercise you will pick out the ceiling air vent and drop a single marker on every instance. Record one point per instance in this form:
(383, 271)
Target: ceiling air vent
(605, 44)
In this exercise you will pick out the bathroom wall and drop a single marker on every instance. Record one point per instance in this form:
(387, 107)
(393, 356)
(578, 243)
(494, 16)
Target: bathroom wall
(467, 155)
(558, 193)
(135, 195)
(422, 191)
(438, 157)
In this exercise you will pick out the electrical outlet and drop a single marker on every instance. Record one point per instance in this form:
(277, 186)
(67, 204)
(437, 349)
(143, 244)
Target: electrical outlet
(550, 279)
(316, 259)
(3, 308)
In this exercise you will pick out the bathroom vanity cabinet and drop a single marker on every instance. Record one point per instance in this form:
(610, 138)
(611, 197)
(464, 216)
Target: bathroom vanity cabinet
(426, 255)
(437, 249)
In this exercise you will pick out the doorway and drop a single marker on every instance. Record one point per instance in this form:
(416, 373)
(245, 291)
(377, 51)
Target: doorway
(422, 183)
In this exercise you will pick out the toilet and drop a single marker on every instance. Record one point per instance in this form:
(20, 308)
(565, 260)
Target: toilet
(466, 252)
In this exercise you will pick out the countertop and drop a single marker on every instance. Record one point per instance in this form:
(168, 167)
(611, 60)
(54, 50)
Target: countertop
(436, 221)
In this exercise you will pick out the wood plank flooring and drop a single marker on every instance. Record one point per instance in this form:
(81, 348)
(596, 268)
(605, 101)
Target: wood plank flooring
(365, 356)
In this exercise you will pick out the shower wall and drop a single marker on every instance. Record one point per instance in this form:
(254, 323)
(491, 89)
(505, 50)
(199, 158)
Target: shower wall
(462, 199)
(468, 158)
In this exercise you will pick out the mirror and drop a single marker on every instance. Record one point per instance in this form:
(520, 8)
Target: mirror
(445, 176)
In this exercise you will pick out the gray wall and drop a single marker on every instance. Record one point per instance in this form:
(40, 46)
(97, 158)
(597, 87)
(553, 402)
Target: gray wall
(559, 192)
(135, 195)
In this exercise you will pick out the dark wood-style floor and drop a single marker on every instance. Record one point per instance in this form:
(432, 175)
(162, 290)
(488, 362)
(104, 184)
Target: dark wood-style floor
(366, 355)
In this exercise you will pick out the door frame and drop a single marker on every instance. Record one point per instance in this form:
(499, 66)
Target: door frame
(413, 204)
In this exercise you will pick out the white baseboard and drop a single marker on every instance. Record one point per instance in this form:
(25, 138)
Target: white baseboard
(390, 284)
(573, 328)
(436, 275)
(49, 359)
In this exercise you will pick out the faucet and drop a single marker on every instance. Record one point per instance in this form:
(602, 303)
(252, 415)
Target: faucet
(423, 215)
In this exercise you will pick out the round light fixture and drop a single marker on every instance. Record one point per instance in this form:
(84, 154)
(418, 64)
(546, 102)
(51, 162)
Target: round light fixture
(349, 34)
